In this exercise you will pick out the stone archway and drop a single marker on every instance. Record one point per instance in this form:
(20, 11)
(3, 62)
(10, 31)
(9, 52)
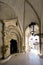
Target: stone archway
(11, 32)
(11, 28)
(32, 39)
(30, 14)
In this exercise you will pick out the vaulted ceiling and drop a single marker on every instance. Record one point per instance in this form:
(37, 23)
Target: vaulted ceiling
(6, 12)
(15, 8)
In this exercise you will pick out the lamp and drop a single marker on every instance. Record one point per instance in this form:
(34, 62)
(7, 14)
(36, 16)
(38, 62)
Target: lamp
(32, 27)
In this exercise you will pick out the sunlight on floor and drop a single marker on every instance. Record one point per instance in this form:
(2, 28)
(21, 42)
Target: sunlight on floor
(34, 51)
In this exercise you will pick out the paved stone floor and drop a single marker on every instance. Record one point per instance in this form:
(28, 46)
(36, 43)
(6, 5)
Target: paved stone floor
(24, 59)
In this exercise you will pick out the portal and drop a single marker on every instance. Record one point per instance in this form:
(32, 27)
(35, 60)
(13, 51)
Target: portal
(13, 46)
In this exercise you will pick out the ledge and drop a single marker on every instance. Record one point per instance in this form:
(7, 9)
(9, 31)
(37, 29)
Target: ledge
(5, 60)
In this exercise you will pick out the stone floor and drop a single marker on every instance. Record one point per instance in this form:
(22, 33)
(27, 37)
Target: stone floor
(24, 59)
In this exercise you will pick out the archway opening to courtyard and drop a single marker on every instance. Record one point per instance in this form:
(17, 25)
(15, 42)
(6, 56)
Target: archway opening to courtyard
(32, 38)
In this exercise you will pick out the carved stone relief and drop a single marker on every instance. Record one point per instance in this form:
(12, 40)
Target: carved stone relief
(10, 32)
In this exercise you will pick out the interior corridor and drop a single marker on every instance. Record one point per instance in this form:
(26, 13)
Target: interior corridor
(21, 32)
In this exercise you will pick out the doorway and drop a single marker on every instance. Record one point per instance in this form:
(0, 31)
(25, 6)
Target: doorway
(13, 46)
(32, 38)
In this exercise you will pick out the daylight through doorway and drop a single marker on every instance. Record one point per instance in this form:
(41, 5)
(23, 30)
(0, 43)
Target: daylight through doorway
(32, 39)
